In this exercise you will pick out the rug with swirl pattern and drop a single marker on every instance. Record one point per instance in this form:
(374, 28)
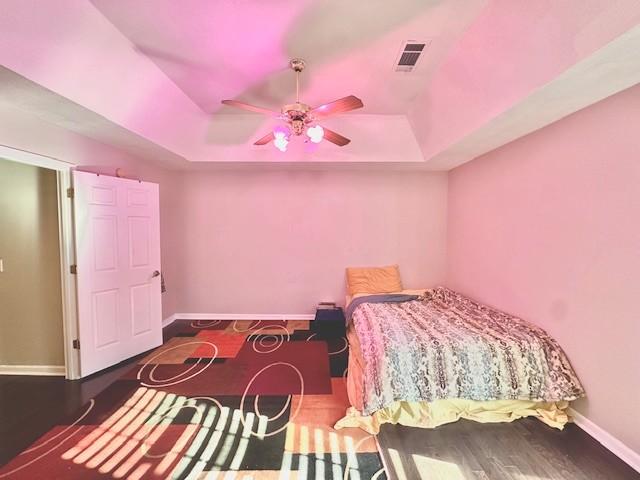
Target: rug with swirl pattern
(218, 400)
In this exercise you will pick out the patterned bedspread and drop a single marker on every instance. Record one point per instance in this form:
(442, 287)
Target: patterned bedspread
(444, 345)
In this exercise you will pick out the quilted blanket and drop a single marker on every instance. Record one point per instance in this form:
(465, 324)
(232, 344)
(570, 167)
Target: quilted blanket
(444, 345)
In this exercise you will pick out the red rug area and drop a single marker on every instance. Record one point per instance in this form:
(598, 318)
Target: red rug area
(220, 399)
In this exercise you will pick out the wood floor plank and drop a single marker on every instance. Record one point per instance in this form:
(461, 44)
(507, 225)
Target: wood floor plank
(524, 450)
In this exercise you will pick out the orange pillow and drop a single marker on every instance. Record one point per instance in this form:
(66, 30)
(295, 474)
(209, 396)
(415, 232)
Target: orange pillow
(373, 279)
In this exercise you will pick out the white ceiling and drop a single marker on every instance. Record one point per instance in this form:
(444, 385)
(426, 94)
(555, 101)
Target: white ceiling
(234, 49)
(148, 76)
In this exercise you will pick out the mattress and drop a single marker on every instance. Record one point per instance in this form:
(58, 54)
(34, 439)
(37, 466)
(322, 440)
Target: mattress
(531, 385)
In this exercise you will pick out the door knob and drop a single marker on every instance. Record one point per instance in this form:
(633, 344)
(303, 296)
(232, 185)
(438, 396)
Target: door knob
(155, 273)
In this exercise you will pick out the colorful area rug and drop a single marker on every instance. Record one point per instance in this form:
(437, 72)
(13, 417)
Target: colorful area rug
(219, 400)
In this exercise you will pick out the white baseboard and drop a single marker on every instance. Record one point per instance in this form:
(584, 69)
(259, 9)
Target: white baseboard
(50, 370)
(168, 321)
(241, 316)
(610, 442)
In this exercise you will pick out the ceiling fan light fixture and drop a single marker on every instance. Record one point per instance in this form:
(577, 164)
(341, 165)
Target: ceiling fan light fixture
(280, 140)
(281, 136)
(282, 132)
(281, 144)
(315, 134)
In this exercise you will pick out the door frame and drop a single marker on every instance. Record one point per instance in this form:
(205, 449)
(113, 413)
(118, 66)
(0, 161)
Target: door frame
(67, 248)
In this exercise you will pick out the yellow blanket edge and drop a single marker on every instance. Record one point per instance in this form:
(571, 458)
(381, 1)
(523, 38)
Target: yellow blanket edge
(440, 412)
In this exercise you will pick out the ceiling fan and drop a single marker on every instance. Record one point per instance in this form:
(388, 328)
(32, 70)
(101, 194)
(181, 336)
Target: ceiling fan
(300, 117)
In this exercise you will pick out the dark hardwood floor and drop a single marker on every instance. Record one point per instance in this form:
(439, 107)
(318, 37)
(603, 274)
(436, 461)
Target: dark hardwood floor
(525, 449)
(31, 405)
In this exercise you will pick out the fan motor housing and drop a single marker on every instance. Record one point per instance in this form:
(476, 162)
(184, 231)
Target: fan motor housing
(297, 116)
(296, 109)
(297, 64)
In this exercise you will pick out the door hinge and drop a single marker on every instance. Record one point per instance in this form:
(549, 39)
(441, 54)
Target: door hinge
(73, 269)
(70, 192)
(76, 344)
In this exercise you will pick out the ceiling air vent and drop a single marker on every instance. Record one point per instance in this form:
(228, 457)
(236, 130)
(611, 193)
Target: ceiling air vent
(409, 56)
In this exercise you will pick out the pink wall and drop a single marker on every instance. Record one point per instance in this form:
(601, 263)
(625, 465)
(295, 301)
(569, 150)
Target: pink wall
(548, 227)
(279, 241)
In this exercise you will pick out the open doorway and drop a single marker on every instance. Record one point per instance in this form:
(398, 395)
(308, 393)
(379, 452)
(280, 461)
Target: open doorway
(37, 289)
(31, 302)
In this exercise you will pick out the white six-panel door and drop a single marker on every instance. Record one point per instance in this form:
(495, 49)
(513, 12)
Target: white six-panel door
(118, 269)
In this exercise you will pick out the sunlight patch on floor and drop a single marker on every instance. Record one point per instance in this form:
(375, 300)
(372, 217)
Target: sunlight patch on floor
(433, 469)
(124, 441)
(127, 444)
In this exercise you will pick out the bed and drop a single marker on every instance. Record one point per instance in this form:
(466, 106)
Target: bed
(426, 358)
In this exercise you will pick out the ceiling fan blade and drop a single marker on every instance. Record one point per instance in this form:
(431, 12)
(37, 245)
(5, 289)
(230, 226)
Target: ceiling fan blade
(251, 108)
(266, 139)
(338, 106)
(334, 137)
